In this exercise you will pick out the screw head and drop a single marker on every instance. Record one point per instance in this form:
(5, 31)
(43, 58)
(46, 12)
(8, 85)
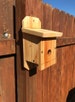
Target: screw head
(6, 35)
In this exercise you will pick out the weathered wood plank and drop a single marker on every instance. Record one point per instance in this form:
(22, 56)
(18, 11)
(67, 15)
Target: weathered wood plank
(69, 26)
(21, 74)
(54, 83)
(73, 73)
(55, 69)
(62, 20)
(0, 98)
(74, 27)
(35, 81)
(7, 47)
(47, 24)
(33, 9)
(7, 73)
(25, 82)
(66, 71)
(6, 16)
(7, 79)
(65, 41)
(0, 82)
(47, 16)
(55, 19)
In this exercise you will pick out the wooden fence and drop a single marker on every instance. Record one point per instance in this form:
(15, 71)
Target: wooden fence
(50, 85)
(53, 84)
(7, 58)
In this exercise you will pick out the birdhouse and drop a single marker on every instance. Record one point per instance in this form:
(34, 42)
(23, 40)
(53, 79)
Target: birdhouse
(39, 45)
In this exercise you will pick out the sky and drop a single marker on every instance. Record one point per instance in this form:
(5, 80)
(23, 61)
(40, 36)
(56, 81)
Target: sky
(65, 5)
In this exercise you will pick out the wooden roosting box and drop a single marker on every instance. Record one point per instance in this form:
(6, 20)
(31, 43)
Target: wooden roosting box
(39, 45)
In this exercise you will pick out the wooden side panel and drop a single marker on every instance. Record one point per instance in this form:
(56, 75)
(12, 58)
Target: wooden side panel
(30, 51)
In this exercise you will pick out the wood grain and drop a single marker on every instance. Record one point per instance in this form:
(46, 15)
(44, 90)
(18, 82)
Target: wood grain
(31, 22)
(73, 73)
(62, 20)
(37, 78)
(47, 24)
(7, 79)
(55, 19)
(7, 47)
(6, 16)
(47, 16)
(55, 69)
(42, 33)
(48, 55)
(65, 41)
(73, 27)
(0, 83)
(69, 26)
(0, 99)
(52, 84)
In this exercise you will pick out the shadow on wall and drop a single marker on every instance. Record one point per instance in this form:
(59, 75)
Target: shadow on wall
(71, 96)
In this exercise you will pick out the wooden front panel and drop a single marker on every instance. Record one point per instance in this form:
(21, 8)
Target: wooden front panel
(47, 53)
